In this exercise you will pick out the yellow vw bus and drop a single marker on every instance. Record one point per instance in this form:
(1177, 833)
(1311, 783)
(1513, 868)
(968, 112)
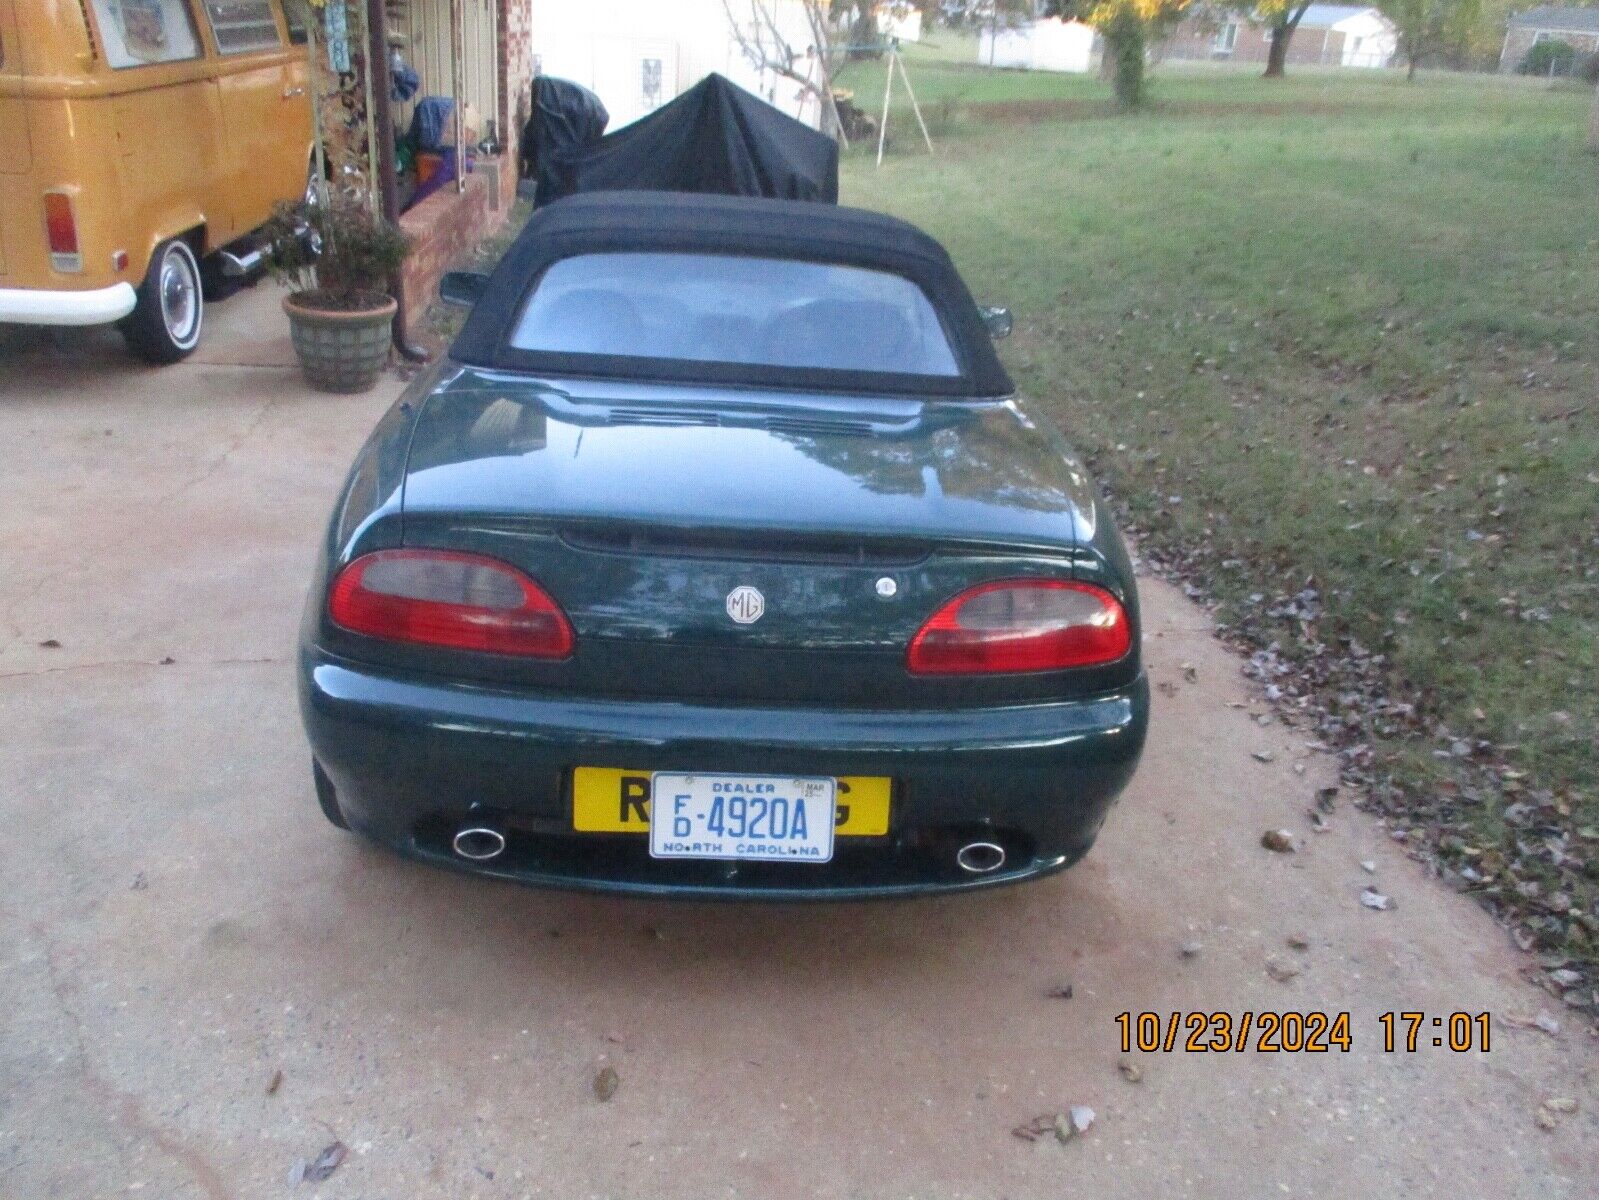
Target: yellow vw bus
(142, 142)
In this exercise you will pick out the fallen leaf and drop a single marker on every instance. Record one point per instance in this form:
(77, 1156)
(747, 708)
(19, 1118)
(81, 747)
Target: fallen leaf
(1264, 756)
(1065, 1126)
(1372, 898)
(1369, 866)
(50, 644)
(1064, 992)
(1281, 971)
(274, 1083)
(1546, 1119)
(1279, 841)
(1543, 1021)
(1036, 1128)
(1190, 673)
(1189, 949)
(1130, 1070)
(1561, 1104)
(326, 1163)
(1298, 941)
(1327, 799)
(167, 661)
(606, 1083)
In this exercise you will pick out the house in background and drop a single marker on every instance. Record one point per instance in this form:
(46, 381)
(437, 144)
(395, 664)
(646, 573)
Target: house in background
(638, 54)
(1334, 35)
(1048, 44)
(1578, 27)
(900, 19)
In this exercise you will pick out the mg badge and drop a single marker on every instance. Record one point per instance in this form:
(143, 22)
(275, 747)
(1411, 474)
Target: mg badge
(745, 604)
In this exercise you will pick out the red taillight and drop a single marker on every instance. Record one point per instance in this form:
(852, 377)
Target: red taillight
(1021, 625)
(61, 230)
(446, 598)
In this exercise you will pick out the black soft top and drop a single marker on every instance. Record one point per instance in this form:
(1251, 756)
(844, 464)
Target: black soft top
(604, 222)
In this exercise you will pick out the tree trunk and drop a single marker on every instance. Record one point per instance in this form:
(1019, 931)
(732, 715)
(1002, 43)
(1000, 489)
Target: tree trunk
(1124, 43)
(1410, 73)
(1593, 124)
(1277, 55)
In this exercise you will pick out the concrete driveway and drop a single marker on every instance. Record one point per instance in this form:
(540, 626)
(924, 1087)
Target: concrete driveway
(202, 982)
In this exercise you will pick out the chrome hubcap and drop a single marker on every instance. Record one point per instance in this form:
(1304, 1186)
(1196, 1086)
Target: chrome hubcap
(179, 296)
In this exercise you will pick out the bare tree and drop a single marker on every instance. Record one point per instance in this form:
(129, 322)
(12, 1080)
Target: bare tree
(768, 46)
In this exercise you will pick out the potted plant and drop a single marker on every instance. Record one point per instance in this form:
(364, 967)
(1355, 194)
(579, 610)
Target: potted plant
(337, 257)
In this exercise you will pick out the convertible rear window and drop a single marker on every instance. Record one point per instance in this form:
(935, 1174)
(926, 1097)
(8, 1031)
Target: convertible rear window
(735, 309)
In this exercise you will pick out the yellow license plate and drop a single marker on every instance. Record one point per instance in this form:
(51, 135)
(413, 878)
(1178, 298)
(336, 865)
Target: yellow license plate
(609, 800)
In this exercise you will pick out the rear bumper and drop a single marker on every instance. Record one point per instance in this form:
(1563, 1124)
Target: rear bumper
(40, 306)
(412, 760)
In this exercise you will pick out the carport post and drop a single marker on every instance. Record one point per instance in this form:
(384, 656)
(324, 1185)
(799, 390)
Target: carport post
(381, 116)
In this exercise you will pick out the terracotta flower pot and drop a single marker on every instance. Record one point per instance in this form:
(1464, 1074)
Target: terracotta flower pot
(340, 351)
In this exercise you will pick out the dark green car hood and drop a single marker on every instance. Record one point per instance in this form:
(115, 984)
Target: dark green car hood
(986, 472)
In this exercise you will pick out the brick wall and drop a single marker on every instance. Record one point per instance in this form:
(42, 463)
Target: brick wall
(1194, 40)
(516, 68)
(447, 225)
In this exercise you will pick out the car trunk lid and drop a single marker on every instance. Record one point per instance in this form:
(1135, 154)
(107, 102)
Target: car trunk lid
(740, 547)
(745, 461)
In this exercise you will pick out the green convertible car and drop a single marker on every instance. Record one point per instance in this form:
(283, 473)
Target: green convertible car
(720, 559)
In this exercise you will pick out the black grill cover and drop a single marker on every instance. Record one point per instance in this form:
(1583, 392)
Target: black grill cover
(566, 118)
(715, 137)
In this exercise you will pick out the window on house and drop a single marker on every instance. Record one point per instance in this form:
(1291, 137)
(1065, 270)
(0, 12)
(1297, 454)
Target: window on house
(141, 33)
(651, 82)
(240, 26)
(1226, 38)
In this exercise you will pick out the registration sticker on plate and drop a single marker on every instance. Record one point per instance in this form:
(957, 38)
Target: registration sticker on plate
(769, 817)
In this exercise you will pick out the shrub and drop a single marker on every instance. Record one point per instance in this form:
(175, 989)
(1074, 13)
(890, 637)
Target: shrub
(1552, 57)
(339, 255)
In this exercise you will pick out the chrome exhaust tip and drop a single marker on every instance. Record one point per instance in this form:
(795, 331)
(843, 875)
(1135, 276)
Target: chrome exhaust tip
(979, 858)
(479, 843)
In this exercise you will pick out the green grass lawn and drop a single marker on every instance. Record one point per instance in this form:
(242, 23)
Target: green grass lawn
(1333, 331)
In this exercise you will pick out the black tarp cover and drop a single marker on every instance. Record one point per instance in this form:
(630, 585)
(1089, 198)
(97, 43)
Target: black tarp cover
(715, 137)
(566, 118)
(613, 222)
